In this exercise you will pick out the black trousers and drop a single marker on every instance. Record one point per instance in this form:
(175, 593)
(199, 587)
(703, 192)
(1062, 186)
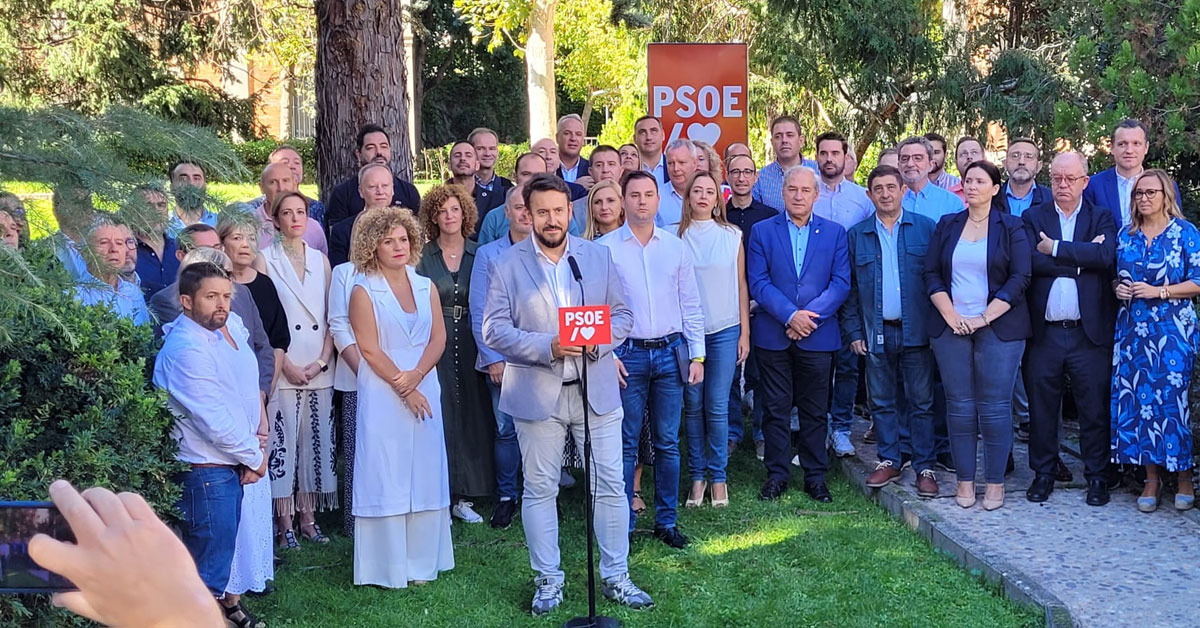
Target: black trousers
(794, 378)
(1063, 353)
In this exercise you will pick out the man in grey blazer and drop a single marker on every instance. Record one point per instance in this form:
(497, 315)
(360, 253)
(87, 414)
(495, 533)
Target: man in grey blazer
(529, 282)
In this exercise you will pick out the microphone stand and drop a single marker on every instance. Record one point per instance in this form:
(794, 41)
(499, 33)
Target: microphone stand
(592, 620)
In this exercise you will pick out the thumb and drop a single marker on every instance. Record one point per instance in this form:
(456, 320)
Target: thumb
(77, 603)
(1042, 235)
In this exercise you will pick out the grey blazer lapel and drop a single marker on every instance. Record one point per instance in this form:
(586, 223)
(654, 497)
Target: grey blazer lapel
(531, 263)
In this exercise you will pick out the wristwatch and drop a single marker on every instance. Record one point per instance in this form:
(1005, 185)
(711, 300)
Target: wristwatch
(323, 364)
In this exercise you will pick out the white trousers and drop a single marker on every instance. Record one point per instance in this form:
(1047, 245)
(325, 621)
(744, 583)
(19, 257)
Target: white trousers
(542, 457)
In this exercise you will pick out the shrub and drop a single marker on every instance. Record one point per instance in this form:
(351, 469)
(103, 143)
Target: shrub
(434, 163)
(76, 403)
(254, 155)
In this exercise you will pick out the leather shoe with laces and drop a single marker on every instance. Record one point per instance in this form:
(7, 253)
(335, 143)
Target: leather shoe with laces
(1040, 489)
(1097, 494)
(818, 491)
(671, 536)
(772, 489)
(885, 473)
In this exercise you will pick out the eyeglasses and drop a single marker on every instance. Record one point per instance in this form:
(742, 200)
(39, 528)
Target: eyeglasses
(1025, 156)
(907, 158)
(131, 244)
(1060, 179)
(1149, 194)
(741, 172)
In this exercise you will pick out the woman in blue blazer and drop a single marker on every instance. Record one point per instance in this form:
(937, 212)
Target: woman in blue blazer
(976, 272)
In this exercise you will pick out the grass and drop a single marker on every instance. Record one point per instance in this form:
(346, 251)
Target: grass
(793, 562)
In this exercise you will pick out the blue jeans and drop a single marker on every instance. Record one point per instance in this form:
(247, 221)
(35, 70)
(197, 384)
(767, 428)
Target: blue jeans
(737, 429)
(896, 373)
(845, 389)
(211, 505)
(979, 372)
(506, 448)
(706, 407)
(941, 442)
(653, 379)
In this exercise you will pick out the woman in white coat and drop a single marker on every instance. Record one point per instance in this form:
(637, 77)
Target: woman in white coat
(302, 447)
(401, 477)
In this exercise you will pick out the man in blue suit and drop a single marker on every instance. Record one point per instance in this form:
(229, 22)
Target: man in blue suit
(570, 139)
(1112, 188)
(799, 273)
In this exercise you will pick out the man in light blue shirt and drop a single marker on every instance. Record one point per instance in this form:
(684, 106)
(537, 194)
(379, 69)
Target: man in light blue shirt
(788, 143)
(681, 165)
(104, 285)
(922, 197)
(1023, 162)
(189, 187)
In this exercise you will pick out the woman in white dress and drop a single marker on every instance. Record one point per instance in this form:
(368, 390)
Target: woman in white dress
(401, 477)
(345, 379)
(302, 447)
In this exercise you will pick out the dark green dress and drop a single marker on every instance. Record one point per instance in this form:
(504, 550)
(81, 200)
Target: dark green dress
(466, 405)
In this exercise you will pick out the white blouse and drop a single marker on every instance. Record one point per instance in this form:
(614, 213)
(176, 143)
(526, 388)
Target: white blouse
(714, 248)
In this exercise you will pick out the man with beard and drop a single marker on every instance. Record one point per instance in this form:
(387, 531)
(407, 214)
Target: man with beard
(937, 174)
(1023, 162)
(847, 204)
(373, 148)
(967, 151)
(922, 197)
(156, 261)
(530, 282)
(463, 165)
(203, 368)
(490, 188)
(189, 187)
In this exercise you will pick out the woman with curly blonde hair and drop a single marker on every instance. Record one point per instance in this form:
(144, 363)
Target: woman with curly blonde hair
(401, 490)
(448, 218)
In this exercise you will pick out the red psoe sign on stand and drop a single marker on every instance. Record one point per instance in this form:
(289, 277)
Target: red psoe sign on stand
(699, 91)
(583, 326)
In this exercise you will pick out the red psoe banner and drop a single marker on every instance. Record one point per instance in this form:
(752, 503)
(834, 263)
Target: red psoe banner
(699, 91)
(586, 325)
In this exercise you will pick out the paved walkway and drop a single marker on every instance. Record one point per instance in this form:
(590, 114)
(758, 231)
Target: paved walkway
(1087, 566)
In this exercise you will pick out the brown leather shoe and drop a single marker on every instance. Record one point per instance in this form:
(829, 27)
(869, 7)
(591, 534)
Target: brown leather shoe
(883, 474)
(927, 485)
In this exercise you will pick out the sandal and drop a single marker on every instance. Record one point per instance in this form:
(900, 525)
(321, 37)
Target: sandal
(316, 536)
(240, 617)
(289, 540)
(638, 505)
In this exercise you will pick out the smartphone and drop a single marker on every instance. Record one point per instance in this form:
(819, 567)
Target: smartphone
(19, 521)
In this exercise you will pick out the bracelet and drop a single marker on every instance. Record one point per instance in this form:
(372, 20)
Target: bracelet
(698, 360)
(1163, 293)
(986, 322)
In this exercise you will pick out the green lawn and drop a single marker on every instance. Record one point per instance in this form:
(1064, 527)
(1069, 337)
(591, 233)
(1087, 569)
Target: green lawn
(787, 563)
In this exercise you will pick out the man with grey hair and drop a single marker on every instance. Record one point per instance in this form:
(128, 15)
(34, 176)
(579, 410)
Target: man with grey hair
(572, 168)
(375, 187)
(275, 180)
(921, 196)
(681, 157)
(1023, 162)
(166, 308)
(1073, 311)
(549, 152)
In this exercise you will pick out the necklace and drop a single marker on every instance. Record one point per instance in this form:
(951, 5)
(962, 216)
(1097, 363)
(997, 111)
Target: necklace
(979, 221)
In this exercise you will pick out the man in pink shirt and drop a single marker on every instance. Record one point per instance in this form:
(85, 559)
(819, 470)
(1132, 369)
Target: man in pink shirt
(276, 179)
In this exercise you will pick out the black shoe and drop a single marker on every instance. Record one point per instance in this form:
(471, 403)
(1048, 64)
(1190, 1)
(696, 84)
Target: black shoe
(502, 516)
(671, 536)
(1097, 494)
(772, 489)
(1062, 473)
(819, 492)
(945, 462)
(1039, 491)
(1115, 477)
(1023, 432)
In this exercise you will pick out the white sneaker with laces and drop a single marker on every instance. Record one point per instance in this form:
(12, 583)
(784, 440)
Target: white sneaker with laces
(622, 590)
(462, 510)
(547, 596)
(842, 445)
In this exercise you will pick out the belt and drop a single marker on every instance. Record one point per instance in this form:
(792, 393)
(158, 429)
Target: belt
(654, 343)
(213, 465)
(570, 383)
(1064, 324)
(895, 323)
(455, 312)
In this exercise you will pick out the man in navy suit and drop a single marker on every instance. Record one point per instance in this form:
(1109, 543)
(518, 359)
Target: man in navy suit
(799, 273)
(1073, 311)
(572, 168)
(1112, 188)
(1022, 162)
(345, 202)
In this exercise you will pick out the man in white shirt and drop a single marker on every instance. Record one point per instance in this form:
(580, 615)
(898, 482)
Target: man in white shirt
(648, 138)
(197, 373)
(665, 349)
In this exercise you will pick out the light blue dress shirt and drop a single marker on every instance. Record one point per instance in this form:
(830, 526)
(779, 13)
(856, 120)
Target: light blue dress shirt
(175, 225)
(845, 203)
(495, 226)
(125, 301)
(799, 238)
(931, 202)
(670, 208)
(768, 190)
(68, 253)
(888, 244)
(1124, 189)
(1018, 204)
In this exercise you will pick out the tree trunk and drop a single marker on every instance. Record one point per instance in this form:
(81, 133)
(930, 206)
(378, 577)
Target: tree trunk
(587, 111)
(360, 78)
(420, 48)
(539, 66)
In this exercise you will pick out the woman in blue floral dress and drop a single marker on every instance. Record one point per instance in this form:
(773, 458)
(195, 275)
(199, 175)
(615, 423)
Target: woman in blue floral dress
(1158, 273)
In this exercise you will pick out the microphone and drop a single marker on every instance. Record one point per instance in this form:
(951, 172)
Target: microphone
(575, 268)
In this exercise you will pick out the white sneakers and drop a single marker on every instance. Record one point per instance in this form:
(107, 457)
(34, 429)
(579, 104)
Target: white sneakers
(462, 510)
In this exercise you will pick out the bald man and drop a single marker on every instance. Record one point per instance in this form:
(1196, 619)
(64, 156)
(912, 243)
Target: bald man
(276, 179)
(798, 268)
(1073, 311)
(548, 149)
